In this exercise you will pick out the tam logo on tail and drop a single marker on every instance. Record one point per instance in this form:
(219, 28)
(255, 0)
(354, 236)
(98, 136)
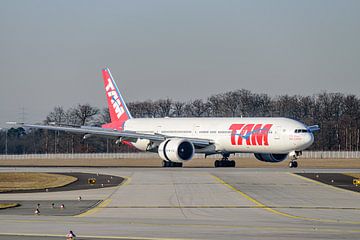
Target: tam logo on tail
(117, 107)
(114, 98)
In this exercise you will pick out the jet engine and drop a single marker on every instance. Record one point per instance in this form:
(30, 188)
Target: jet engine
(176, 150)
(270, 157)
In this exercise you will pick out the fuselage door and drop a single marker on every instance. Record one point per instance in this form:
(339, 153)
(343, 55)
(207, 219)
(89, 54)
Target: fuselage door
(158, 129)
(277, 132)
(196, 129)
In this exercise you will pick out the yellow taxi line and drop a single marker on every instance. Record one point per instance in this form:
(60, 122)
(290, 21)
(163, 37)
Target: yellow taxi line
(104, 203)
(263, 206)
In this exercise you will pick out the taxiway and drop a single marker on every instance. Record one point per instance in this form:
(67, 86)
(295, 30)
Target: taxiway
(155, 203)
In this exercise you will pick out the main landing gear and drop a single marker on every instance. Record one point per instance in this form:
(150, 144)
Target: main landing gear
(171, 164)
(224, 162)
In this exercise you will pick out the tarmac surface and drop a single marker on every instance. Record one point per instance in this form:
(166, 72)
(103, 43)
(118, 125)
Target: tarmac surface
(334, 179)
(50, 208)
(197, 203)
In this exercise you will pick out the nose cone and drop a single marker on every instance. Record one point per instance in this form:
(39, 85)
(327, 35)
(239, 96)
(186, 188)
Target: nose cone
(308, 140)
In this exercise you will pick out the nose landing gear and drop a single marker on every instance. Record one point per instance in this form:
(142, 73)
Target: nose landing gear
(224, 162)
(293, 164)
(294, 156)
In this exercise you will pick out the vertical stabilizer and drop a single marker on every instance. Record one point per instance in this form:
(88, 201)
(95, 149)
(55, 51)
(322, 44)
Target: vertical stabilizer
(118, 110)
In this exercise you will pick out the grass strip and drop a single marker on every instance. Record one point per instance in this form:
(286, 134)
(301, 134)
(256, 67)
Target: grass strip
(15, 181)
(8, 205)
(354, 175)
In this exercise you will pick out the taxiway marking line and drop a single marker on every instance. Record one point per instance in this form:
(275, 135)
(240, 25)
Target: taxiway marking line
(104, 203)
(235, 206)
(324, 184)
(86, 236)
(253, 200)
(97, 208)
(126, 182)
(263, 206)
(247, 227)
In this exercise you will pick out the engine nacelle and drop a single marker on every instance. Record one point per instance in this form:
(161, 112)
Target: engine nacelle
(270, 157)
(176, 150)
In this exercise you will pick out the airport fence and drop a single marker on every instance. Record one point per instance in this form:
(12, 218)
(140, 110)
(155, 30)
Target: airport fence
(306, 154)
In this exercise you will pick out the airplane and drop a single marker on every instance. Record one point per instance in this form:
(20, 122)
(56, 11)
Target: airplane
(176, 140)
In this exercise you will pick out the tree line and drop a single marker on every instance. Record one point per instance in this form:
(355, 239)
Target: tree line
(337, 114)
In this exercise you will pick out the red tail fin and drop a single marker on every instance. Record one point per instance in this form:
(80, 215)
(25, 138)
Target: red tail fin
(119, 112)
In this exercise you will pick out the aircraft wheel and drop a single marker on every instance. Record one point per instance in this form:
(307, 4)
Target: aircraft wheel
(291, 164)
(171, 164)
(178, 164)
(295, 164)
(223, 163)
(229, 163)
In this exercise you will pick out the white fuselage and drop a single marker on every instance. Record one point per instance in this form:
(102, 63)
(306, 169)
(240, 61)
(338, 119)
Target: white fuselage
(251, 135)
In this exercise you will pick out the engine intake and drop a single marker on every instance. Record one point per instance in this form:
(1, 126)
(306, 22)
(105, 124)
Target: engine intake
(270, 157)
(176, 150)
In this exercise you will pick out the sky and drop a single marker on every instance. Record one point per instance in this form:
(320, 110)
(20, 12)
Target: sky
(52, 52)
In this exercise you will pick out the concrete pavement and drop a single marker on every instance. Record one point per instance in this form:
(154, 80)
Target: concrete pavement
(198, 204)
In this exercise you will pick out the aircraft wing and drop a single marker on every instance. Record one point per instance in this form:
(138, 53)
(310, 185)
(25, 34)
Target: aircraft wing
(131, 136)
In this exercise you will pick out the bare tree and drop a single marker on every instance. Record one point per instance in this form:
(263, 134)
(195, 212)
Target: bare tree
(197, 108)
(58, 116)
(337, 114)
(145, 109)
(215, 103)
(83, 113)
(104, 116)
(261, 106)
(164, 107)
(178, 109)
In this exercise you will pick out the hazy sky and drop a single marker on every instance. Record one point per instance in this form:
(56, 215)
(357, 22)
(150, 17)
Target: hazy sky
(52, 52)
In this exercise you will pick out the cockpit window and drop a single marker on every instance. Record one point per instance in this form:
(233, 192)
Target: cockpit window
(301, 130)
